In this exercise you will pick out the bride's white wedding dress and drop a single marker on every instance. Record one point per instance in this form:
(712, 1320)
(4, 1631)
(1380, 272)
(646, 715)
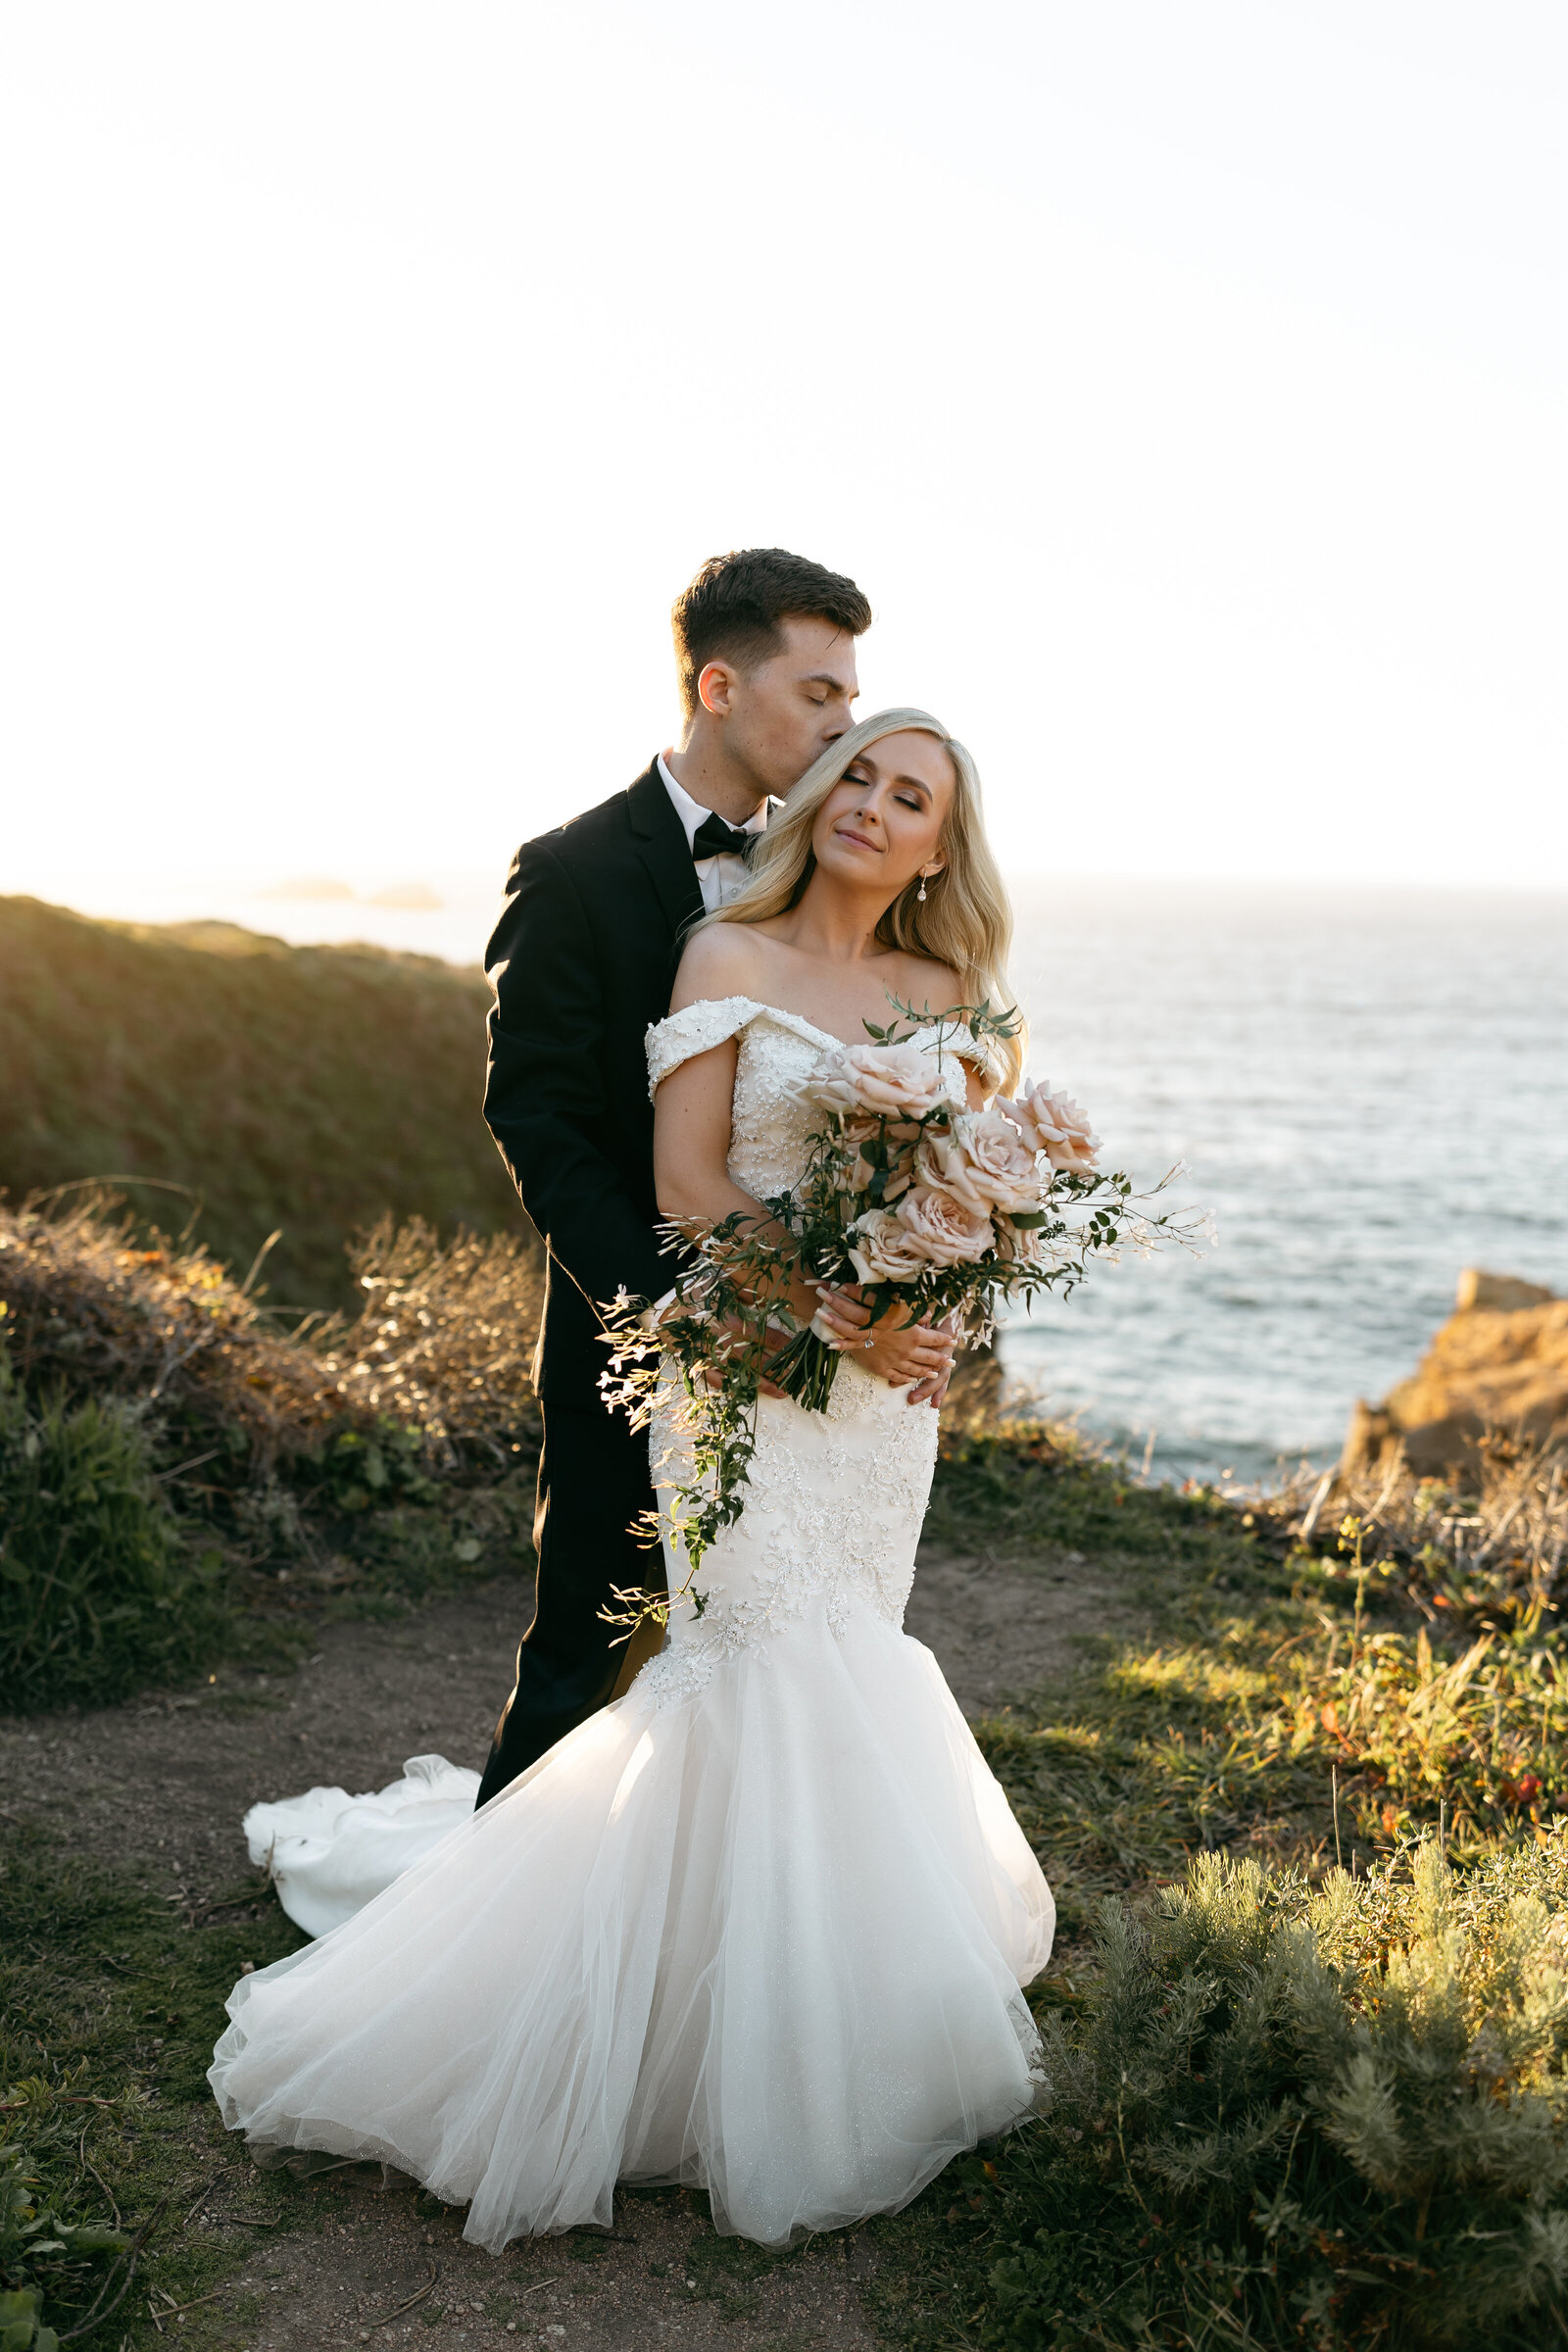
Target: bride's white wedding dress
(759, 1927)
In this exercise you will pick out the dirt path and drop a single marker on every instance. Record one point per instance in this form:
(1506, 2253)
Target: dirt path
(166, 1782)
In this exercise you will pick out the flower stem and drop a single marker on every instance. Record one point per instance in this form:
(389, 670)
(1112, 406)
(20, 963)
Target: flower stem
(806, 1369)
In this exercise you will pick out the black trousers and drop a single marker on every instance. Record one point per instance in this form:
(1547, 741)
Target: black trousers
(593, 1486)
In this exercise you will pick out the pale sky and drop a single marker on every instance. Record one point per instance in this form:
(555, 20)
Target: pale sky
(1183, 379)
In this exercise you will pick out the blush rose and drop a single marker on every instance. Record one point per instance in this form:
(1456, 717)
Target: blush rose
(884, 1250)
(1057, 1126)
(982, 1161)
(899, 1082)
(943, 1229)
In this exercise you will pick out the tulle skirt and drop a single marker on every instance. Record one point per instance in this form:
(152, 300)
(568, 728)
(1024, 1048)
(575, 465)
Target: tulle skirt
(766, 1938)
(328, 1854)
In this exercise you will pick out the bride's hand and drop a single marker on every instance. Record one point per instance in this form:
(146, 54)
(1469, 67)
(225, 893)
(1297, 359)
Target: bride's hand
(896, 1347)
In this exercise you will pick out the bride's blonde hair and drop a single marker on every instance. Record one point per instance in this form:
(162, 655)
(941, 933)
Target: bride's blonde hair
(964, 919)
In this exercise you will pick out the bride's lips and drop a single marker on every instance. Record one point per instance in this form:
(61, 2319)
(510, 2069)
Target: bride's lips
(848, 833)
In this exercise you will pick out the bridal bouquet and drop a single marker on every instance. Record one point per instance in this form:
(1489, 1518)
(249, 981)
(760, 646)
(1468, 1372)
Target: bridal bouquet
(936, 1210)
(929, 1206)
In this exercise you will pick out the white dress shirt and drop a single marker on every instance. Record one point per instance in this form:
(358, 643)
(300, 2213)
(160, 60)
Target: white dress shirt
(719, 879)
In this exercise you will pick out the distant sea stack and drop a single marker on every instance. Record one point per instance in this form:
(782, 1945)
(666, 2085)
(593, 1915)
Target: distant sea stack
(1500, 1363)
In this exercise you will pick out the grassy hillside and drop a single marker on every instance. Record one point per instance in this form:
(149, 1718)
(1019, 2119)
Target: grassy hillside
(306, 1088)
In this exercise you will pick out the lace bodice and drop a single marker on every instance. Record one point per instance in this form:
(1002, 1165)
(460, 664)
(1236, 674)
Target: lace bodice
(778, 1051)
(835, 1500)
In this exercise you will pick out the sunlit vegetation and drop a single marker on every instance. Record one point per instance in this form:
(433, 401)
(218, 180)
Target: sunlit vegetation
(1306, 2028)
(298, 1091)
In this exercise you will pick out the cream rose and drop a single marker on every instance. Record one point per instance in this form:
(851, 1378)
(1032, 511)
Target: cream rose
(943, 1228)
(883, 1251)
(898, 1082)
(982, 1161)
(1057, 1126)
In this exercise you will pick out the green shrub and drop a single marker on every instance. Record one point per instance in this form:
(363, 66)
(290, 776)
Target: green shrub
(1283, 2115)
(354, 1465)
(40, 2249)
(98, 1595)
(362, 1470)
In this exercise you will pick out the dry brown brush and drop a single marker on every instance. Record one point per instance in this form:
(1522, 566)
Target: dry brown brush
(443, 1341)
(385, 1454)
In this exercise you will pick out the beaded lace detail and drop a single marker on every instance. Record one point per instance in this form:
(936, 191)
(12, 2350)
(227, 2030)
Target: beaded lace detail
(835, 1500)
(833, 1512)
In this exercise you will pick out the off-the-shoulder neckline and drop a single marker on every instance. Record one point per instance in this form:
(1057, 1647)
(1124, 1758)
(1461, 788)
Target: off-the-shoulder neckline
(791, 1020)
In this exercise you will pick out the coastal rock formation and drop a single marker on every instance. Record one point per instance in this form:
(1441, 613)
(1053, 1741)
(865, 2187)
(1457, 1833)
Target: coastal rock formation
(1504, 1291)
(1500, 1363)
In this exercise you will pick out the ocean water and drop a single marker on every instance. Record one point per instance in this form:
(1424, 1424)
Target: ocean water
(1369, 1091)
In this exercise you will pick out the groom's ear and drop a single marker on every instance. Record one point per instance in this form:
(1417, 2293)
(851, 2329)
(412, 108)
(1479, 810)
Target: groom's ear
(715, 688)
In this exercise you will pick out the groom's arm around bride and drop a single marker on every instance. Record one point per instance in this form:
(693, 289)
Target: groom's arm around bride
(581, 962)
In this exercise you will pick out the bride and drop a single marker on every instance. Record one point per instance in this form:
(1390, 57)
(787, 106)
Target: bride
(761, 1925)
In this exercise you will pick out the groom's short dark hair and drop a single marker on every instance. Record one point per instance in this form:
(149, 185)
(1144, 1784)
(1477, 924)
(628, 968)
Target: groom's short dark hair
(732, 609)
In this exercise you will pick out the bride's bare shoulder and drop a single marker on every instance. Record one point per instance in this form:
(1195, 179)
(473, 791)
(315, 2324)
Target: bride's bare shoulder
(721, 959)
(929, 986)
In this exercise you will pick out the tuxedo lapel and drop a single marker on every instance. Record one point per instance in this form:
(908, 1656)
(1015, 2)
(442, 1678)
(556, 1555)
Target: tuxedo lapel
(662, 846)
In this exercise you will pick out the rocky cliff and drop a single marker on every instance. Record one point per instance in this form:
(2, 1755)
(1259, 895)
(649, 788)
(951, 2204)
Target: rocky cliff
(1500, 1363)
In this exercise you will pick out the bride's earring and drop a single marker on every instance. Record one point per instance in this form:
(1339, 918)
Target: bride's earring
(920, 894)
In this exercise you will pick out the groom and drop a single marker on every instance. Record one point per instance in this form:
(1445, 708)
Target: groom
(581, 962)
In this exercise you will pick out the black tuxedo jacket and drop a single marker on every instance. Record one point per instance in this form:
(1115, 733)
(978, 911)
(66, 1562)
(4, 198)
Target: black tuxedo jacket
(581, 961)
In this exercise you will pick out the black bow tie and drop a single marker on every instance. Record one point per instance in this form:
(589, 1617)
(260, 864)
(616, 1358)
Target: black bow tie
(714, 838)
